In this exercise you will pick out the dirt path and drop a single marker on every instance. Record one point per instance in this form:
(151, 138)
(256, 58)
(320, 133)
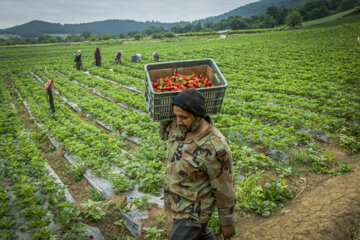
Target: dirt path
(325, 212)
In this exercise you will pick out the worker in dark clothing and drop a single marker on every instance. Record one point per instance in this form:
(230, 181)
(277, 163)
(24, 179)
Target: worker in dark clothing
(48, 86)
(97, 57)
(78, 59)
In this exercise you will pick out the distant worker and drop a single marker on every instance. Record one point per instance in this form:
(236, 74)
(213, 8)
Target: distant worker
(78, 59)
(155, 56)
(118, 55)
(135, 57)
(48, 86)
(97, 57)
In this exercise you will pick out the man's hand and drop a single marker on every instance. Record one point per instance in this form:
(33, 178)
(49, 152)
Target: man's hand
(227, 231)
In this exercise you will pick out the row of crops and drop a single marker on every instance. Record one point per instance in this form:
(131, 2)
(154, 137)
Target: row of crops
(31, 200)
(286, 92)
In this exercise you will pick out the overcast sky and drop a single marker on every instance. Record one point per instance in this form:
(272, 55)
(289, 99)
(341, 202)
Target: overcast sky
(17, 12)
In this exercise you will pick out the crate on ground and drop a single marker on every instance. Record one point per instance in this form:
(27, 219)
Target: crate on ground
(159, 104)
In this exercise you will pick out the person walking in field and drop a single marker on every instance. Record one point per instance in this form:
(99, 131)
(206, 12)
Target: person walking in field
(48, 86)
(199, 173)
(155, 56)
(77, 59)
(97, 57)
(118, 55)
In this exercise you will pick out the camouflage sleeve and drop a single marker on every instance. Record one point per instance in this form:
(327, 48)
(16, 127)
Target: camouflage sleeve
(219, 170)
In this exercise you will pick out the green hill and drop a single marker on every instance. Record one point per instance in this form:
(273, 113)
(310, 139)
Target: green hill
(37, 28)
(255, 8)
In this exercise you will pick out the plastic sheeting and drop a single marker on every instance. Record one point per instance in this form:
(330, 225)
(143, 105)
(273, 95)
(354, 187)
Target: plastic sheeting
(132, 221)
(68, 195)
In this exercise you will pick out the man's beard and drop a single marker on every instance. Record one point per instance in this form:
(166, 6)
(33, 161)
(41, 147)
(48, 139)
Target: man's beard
(194, 125)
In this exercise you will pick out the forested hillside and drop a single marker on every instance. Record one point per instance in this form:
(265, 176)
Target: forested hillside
(255, 8)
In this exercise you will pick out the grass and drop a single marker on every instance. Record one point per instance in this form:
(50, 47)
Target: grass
(353, 231)
(349, 16)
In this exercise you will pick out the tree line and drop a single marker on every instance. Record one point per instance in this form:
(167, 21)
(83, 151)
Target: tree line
(273, 17)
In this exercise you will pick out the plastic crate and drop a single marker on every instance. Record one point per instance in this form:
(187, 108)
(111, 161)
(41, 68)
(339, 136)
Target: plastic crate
(159, 104)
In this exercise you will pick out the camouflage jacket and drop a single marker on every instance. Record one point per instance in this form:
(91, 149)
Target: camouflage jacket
(199, 176)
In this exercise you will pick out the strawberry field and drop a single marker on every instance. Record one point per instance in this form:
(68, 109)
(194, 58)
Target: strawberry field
(290, 94)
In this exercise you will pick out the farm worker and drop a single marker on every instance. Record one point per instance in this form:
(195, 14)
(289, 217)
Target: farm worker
(135, 57)
(199, 171)
(48, 86)
(155, 56)
(97, 57)
(78, 59)
(118, 55)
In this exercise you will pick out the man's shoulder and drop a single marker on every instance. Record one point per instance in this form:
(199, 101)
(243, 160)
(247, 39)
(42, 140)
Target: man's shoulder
(218, 140)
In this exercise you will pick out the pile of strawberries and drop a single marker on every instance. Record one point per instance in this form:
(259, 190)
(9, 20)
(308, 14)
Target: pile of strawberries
(180, 82)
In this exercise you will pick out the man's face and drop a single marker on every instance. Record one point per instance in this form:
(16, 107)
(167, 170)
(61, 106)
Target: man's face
(185, 120)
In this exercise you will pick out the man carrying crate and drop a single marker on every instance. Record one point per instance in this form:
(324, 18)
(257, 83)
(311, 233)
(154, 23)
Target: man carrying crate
(199, 171)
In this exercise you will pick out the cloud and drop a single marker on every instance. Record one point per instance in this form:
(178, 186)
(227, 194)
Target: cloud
(16, 12)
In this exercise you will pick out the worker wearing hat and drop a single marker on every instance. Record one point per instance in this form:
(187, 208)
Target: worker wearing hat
(117, 57)
(199, 171)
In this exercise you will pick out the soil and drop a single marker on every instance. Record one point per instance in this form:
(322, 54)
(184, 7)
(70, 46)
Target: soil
(325, 207)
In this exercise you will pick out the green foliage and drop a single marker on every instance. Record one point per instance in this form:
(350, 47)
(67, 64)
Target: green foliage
(92, 211)
(157, 36)
(169, 35)
(214, 224)
(350, 143)
(153, 233)
(138, 36)
(350, 138)
(277, 192)
(293, 19)
(141, 203)
(78, 170)
(325, 163)
(353, 231)
(160, 218)
(153, 29)
(95, 195)
(121, 183)
(261, 200)
(106, 36)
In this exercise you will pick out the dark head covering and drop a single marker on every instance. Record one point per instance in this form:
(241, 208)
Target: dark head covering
(191, 100)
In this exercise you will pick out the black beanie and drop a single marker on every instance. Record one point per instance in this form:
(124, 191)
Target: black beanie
(191, 100)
